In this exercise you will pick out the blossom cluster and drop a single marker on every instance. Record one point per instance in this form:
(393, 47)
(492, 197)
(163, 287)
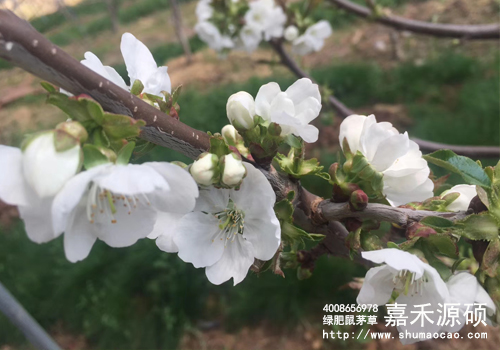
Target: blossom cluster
(242, 25)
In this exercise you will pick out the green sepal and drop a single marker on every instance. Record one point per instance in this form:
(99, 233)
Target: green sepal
(100, 139)
(81, 108)
(293, 141)
(48, 87)
(117, 126)
(64, 141)
(92, 156)
(491, 256)
(218, 146)
(137, 87)
(471, 172)
(125, 153)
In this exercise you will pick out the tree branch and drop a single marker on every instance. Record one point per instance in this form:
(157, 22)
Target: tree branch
(400, 216)
(24, 47)
(344, 111)
(471, 32)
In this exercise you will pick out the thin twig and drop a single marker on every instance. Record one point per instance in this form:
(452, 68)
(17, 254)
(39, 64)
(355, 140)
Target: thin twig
(344, 111)
(465, 31)
(20, 318)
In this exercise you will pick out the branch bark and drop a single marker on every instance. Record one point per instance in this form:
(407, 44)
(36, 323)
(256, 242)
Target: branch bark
(470, 32)
(24, 47)
(344, 111)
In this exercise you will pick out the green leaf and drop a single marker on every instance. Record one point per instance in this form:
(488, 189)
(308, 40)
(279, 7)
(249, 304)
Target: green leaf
(48, 86)
(470, 171)
(444, 244)
(93, 157)
(436, 222)
(125, 153)
(477, 227)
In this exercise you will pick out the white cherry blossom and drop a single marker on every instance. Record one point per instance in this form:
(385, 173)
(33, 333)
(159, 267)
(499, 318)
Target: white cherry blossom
(32, 178)
(313, 39)
(227, 230)
(292, 109)
(250, 38)
(204, 170)
(266, 16)
(234, 170)
(416, 282)
(142, 66)
(118, 204)
(211, 35)
(405, 172)
(467, 192)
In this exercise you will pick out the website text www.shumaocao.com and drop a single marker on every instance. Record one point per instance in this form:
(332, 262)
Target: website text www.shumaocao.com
(451, 315)
(368, 334)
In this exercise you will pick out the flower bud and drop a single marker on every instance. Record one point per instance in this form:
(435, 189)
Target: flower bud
(233, 170)
(240, 110)
(291, 33)
(205, 170)
(230, 135)
(358, 200)
(46, 170)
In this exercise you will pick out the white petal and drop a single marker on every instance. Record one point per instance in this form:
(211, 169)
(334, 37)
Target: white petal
(407, 183)
(47, 170)
(181, 197)
(93, 62)
(281, 106)
(164, 231)
(78, 238)
(397, 259)
(377, 286)
(37, 222)
(128, 226)
(132, 179)
(421, 193)
(407, 164)
(389, 150)
(70, 195)
(212, 200)
(237, 258)
(429, 295)
(139, 61)
(197, 241)
(307, 110)
(265, 235)
(157, 82)
(255, 195)
(264, 98)
(301, 90)
(309, 133)
(351, 129)
(467, 192)
(373, 135)
(12, 184)
(321, 30)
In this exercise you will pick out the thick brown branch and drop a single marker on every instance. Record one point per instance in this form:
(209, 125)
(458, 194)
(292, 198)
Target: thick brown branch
(481, 31)
(24, 47)
(344, 111)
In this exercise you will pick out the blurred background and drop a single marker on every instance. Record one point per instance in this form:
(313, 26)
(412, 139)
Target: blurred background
(141, 298)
